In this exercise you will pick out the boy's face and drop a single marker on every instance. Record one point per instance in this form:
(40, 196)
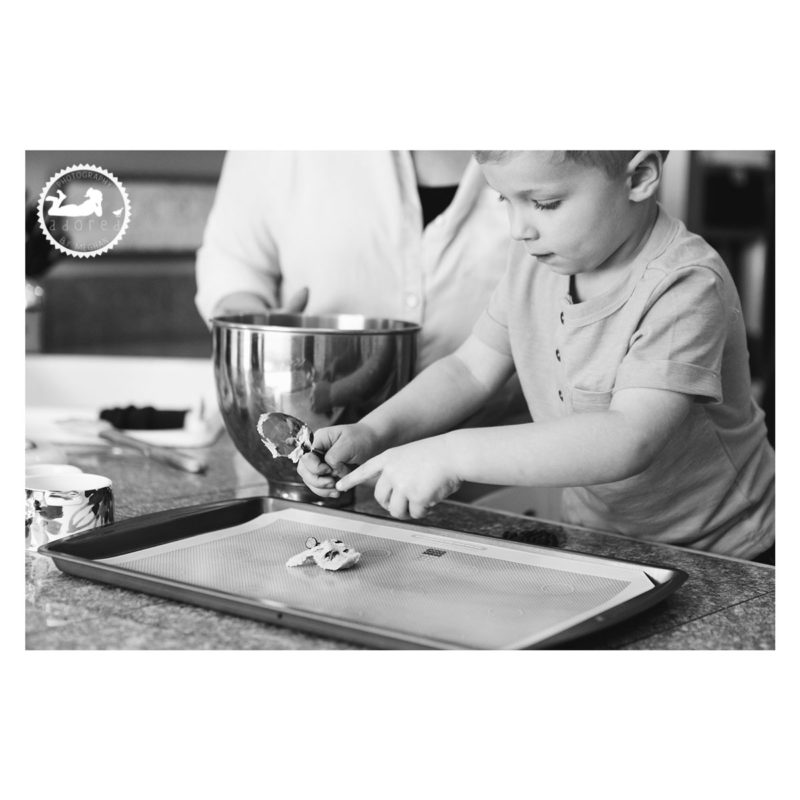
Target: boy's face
(571, 217)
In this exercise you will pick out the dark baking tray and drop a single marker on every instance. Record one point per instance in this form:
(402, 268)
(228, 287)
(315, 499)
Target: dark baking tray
(80, 555)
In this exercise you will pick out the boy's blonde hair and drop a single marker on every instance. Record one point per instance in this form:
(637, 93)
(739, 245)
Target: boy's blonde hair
(613, 162)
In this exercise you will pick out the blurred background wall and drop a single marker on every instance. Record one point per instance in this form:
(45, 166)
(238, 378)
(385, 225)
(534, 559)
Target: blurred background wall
(138, 299)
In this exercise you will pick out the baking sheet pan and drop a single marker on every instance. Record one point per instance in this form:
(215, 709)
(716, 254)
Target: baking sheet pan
(413, 587)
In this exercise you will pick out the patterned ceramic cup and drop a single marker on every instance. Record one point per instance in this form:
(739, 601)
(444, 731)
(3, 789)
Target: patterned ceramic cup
(62, 504)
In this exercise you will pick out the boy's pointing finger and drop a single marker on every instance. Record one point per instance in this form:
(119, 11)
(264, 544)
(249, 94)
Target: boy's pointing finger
(369, 469)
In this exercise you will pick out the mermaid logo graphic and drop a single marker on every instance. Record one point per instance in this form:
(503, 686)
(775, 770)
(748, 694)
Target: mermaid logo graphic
(84, 211)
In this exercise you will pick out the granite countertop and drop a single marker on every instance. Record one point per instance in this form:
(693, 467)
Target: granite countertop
(725, 603)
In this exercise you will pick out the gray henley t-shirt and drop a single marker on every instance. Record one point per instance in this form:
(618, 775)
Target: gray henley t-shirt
(675, 322)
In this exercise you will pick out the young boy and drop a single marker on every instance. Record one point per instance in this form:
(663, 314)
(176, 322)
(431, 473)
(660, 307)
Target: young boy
(626, 332)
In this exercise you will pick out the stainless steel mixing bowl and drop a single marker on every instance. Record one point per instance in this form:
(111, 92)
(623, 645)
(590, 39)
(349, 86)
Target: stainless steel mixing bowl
(324, 370)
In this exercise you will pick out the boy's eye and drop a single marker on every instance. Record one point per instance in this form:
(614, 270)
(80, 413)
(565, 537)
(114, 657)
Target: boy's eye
(549, 206)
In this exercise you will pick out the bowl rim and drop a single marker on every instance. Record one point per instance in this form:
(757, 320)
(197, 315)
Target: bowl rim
(235, 321)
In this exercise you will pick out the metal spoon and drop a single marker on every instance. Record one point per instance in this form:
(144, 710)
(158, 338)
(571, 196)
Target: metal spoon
(287, 436)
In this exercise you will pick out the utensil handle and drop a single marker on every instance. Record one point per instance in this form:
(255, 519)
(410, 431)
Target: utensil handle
(179, 460)
(162, 454)
(321, 456)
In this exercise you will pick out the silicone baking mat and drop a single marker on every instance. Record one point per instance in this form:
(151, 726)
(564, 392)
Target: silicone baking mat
(455, 591)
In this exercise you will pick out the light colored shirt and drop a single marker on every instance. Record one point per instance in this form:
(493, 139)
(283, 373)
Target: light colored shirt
(348, 225)
(675, 323)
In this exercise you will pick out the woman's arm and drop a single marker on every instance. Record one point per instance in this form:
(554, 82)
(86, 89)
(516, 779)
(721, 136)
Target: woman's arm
(238, 265)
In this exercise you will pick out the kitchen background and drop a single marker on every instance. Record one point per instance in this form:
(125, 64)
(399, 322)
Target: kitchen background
(138, 299)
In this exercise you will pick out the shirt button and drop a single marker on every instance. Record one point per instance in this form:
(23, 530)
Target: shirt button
(558, 354)
(560, 395)
(412, 300)
(562, 317)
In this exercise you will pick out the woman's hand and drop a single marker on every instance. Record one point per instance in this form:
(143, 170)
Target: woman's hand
(343, 446)
(251, 303)
(412, 478)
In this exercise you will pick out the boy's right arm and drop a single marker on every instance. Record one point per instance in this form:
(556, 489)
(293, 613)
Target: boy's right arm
(437, 400)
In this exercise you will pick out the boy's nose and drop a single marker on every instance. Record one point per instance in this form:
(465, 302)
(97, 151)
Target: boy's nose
(522, 228)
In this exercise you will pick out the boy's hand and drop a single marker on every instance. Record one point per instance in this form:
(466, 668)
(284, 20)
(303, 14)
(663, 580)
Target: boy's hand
(411, 479)
(342, 445)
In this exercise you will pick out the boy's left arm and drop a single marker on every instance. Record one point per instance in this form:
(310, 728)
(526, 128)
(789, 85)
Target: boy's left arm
(576, 450)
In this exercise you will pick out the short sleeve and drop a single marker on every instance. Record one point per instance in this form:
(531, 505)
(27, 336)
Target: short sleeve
(492, 325)
(679, 342)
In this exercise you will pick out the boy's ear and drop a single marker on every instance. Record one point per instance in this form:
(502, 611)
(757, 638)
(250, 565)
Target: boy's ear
(644, 174)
